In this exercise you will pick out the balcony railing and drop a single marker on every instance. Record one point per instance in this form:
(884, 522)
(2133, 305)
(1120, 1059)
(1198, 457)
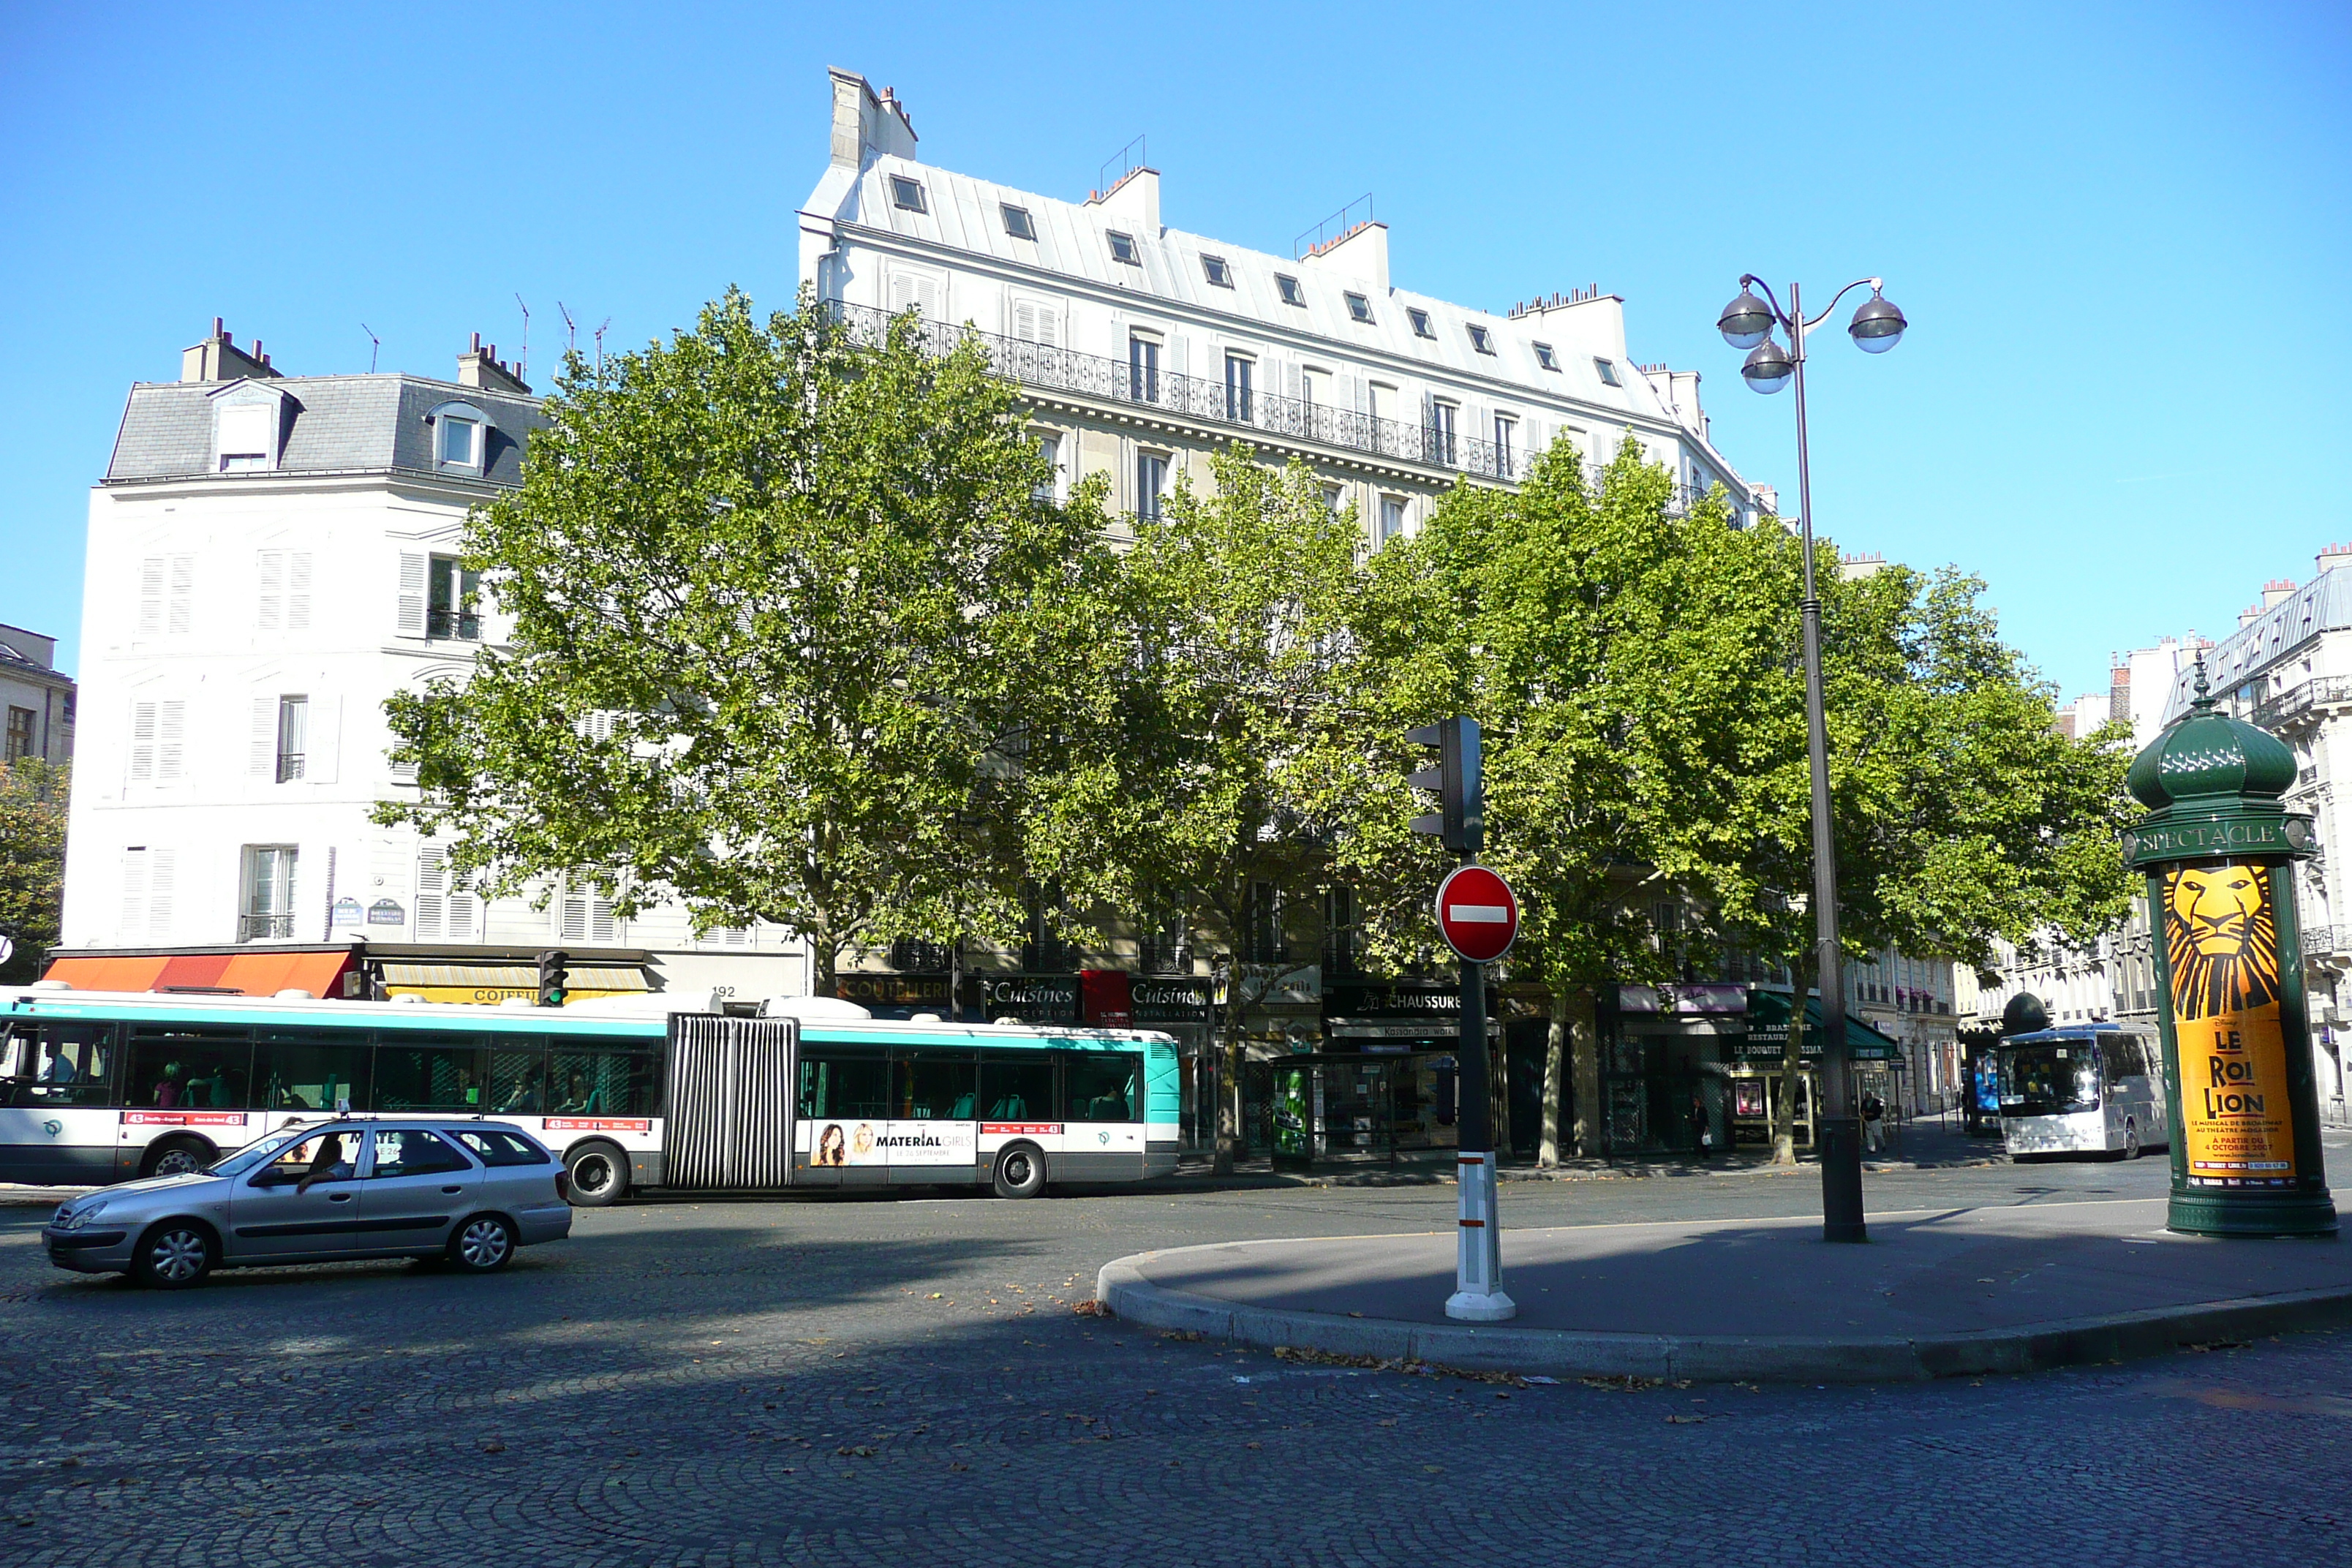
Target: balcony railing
(263, 928)
(460, 624)
(289, 766)
(2296, 701)
(2318, 942)
(1045, 366)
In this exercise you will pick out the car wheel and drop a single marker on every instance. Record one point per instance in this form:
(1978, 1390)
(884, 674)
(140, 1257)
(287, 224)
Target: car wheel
(173, 1256)
(599, 1173)
(1020, 1171)
(483, 1245)
(2131, 1140)
(174, 1159)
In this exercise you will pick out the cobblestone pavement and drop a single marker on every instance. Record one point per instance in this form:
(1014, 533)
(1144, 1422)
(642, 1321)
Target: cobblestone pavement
(903, 1380)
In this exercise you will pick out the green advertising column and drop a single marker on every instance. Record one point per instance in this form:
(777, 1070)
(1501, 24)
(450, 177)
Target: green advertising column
(2220, 852)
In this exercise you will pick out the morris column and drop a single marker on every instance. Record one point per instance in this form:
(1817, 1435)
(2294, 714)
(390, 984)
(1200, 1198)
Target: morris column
(2220, 852)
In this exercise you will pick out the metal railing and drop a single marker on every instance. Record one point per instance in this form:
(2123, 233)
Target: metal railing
(2298, 700)
(262, 928)
(2320, 941)
(461, 626)
(1046, 366)
(289, 766)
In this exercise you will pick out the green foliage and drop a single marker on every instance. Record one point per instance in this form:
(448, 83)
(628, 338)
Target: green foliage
(793, 638)
(33, 795)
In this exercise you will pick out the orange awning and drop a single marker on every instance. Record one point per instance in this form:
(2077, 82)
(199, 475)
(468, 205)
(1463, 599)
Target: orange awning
(261, 972)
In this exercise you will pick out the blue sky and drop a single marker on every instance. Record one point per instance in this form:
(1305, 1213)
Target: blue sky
(2120, 231)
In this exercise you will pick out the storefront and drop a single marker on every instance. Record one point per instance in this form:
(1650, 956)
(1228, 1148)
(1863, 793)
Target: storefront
(1381, 1081)
(896, 993)
(328, 970)
(1668, 1059)
(1182, 1006)
(1757, 1073)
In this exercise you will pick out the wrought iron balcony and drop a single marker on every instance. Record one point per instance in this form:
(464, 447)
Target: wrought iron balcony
(289, 766)
(263, 928)
(1191, 398)
(2318, 942)
(460, 626)
(2298, 702)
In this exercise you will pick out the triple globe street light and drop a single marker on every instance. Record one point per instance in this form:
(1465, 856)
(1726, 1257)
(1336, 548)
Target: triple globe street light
(1747, 323)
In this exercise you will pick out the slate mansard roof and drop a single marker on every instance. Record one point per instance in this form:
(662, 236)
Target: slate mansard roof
(332, 423)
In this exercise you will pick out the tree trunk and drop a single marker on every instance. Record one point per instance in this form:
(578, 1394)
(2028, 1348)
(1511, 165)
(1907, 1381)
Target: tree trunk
(1584, 1053)
(1555, 1069)
(824, 966)
(1229, 1077)
(1792, 1057)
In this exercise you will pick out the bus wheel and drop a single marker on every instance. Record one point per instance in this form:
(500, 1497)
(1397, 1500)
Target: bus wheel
(176, 1157)
(600, 1176)
(1020, 1171)
(2131, 1140)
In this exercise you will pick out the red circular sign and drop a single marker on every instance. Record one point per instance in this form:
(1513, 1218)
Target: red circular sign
(1478, 914)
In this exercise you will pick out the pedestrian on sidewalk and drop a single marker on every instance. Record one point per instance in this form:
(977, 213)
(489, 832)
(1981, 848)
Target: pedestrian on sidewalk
(1702, 1135)
(1873, 1123)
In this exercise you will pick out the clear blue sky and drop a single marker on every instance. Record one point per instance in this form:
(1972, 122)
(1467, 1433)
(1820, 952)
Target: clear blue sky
(2120, 231)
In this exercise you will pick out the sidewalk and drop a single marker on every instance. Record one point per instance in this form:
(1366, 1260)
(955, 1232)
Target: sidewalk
(1936, 1293)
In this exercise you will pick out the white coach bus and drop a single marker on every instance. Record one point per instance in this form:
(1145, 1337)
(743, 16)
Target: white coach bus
(100, 1087)
(2083, 1089)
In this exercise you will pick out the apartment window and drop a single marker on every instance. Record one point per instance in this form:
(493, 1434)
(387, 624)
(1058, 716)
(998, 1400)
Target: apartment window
(1312, 384)
(1359, 309)
(268, 910)
(1506, 443)
(585, 914)
(166, 595)
(455, 442)
(453, 610)
(1123, 250)
(20, 734)
(1440, 432)
(1240, 372)
(1338, 932)
(1419, 319)
(445, 912)
(1392, 517)
(1287, 286)
(285, 603)
(1219, 275)
(1036, 321)
(1335, 500)
(1150, 484)
(909, 955)
(1608, 369)
(1017, 221)
(1050, 448)
(1262, 938)
(247, 437)
(1546, 359)
(147, 880)
(907, 195)
(1481, 340)
(293, 736)
(1164, 950)
(1143, 368)
(159, 736)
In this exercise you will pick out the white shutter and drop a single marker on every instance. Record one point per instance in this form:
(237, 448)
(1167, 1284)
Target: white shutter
(917, 291)
(245, 430)
(262, 752)
(142, 742)
(132, 925)
(323, 747)
(271, 616)
(183, 605)
(1290, 380)
(151, 596)
(463, 909)
(297, 590)
(1180, 353)
(571, 924)
(170, 739)
(1024, 320)
(159, 894)
(412, 593)
(432, 887)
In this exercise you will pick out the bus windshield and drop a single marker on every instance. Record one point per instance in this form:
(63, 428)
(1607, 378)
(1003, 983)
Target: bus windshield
(2048, 1080)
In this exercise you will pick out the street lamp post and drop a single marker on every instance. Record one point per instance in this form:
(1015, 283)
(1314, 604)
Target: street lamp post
(1747, 323)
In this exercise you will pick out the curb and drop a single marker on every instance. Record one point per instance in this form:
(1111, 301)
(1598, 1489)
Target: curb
(2074, 1341)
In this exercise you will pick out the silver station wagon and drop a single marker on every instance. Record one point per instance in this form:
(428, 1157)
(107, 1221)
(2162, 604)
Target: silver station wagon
(466, 1191)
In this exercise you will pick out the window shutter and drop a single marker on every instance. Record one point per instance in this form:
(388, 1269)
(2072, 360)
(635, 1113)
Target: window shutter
(245, 430)
(182, 606)
(572, 922)
(431, 886)
(151, 596)
(1290, 380)
(323, 747)
(171, 739)
(1024, 320)
(159, 894)
(272, 614)
(412, 593)
(132, 926)
(262, 754)
(142, 742)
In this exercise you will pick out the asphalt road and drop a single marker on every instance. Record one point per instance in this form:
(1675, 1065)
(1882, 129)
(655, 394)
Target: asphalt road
(904, 1381)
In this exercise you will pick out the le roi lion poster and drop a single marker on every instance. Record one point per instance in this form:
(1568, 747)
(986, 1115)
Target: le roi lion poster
(2220, 942)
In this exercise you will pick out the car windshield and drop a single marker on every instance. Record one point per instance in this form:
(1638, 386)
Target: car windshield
(2047, 1080)
(258, 1153)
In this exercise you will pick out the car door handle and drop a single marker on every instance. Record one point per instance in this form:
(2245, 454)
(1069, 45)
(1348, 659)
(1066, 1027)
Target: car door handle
(453, 1189)
(338, 1197)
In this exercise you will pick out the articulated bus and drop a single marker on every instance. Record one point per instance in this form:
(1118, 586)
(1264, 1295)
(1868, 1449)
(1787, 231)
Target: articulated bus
(106, 1087)
(2083, 1089)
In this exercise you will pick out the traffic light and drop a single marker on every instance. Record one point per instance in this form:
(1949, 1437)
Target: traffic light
(554, 979)
(1460, 819)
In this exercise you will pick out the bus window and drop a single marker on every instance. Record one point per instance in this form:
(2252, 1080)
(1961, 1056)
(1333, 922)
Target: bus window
(600, 1077)
(518, 1077)
(2047, 1080)
(311, 1069)
(415, 1071)
(837, 1083)
(1017, 1088)
(58, 1064)
(185, 1066)
(934, 1086)
(1103, 1086)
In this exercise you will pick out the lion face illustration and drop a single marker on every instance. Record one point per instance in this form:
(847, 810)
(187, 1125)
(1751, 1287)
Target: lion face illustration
(2219, 939)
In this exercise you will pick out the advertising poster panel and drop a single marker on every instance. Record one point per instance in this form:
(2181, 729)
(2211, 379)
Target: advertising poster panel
(860, 1142)
(2220, 938)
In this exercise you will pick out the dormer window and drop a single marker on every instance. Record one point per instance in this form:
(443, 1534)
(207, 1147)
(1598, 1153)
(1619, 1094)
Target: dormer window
(1017, 221)
(1123, 250)
(1359, 309)
(460, 437)
(1287, 286)
(1481, 340)
(907, 195)
(1219, 275)
(1545, 358)
(1608, 369)
(247, 435)
(1419, 319)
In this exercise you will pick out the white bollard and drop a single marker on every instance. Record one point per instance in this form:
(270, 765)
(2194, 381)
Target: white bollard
(1478, 1276)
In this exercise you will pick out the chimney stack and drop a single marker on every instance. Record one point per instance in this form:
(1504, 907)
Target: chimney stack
(480, 366)
(2277, 590)
(218, 358)
(2331, 556)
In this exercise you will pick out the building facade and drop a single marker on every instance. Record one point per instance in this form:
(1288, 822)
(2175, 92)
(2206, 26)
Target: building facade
(271, 557)
(36, 699)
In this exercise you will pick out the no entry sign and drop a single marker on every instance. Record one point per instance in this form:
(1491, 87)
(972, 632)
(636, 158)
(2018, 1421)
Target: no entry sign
(1479, 914)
